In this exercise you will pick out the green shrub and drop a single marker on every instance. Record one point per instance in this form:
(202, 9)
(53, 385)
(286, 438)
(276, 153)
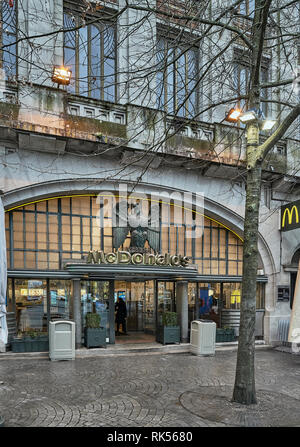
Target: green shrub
(31, 333)
(92, 320)
(169, 319)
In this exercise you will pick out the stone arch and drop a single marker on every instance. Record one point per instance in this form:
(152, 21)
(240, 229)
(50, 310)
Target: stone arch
(213, 209)
(296, 256)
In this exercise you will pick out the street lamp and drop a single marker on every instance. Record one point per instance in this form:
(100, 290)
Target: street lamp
(268, 124)
(250, 116)
(233, 115)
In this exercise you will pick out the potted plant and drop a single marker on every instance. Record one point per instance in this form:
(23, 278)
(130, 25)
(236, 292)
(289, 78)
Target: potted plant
(30, 341)
(169, 330)
(94, 334)
(224, 335)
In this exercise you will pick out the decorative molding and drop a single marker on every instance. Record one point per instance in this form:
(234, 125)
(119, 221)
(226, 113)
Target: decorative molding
(190, 130)
(112, 114)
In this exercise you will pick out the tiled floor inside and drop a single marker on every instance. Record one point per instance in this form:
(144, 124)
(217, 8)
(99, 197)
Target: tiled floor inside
(135, 337)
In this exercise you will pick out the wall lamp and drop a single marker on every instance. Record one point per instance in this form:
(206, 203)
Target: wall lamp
(61, 75)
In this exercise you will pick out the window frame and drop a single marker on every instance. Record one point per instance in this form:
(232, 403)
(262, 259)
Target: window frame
(14, 33)
(177, 51)
(249, 8)
(76, 90)
(240, 62)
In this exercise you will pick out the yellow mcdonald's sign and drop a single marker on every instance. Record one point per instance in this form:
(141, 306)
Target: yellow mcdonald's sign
(290, 216)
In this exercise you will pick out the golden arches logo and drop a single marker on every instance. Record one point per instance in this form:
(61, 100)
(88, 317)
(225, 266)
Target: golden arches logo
(290, 215)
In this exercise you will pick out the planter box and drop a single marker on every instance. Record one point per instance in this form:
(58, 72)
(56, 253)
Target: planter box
(18, 345)
(223, 335)
(39, 344)
(95, 337)
(43, 344)
(168, 334)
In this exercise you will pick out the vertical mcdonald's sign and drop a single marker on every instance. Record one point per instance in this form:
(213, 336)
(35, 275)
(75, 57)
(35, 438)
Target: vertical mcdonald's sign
(290, 215)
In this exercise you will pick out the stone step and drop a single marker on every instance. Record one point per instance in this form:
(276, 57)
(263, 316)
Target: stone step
(131, 349)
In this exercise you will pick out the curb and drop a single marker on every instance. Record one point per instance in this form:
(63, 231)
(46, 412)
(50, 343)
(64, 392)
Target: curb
(183, 348)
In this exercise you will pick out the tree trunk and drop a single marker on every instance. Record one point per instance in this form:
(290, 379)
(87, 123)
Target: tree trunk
(244, 388)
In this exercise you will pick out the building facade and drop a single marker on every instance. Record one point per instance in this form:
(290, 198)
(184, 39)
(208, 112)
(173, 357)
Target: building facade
(132, 123)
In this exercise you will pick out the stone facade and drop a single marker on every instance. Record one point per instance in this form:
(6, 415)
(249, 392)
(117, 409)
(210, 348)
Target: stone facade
(55, 143)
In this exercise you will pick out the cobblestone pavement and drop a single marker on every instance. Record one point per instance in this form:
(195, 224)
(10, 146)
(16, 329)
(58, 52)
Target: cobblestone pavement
(143, 390)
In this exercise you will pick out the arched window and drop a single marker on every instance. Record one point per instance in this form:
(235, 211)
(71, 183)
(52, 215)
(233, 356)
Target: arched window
(43, 235)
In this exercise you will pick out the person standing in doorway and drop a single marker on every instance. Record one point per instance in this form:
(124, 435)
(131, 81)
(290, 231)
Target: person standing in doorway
(121, 314)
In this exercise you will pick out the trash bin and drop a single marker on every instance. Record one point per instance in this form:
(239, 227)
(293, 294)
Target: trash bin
(62, 340)
(203, 337)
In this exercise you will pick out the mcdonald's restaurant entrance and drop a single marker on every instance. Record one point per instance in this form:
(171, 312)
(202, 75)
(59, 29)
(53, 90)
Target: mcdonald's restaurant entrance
(144, 300)
(145, 293)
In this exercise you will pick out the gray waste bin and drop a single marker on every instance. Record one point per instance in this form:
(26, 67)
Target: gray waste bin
(203, 337)
(62, 340)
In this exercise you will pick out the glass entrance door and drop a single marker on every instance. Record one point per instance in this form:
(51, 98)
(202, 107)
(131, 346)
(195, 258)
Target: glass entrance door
(140, 304)
(135, 306)
(149, 308)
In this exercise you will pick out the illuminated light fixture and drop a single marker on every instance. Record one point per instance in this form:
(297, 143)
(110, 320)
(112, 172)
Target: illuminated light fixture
(61, 75)
(248, 117)
(233, 115)
(268, 124)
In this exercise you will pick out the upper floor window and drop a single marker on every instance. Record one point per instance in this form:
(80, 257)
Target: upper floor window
(90, 52)
(8, 37)
(241, 83)
(177, 74)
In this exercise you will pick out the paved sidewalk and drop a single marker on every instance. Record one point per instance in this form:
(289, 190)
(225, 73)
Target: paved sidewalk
(146, 390)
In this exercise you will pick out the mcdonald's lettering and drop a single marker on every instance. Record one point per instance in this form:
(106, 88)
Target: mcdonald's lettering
(290, 216)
